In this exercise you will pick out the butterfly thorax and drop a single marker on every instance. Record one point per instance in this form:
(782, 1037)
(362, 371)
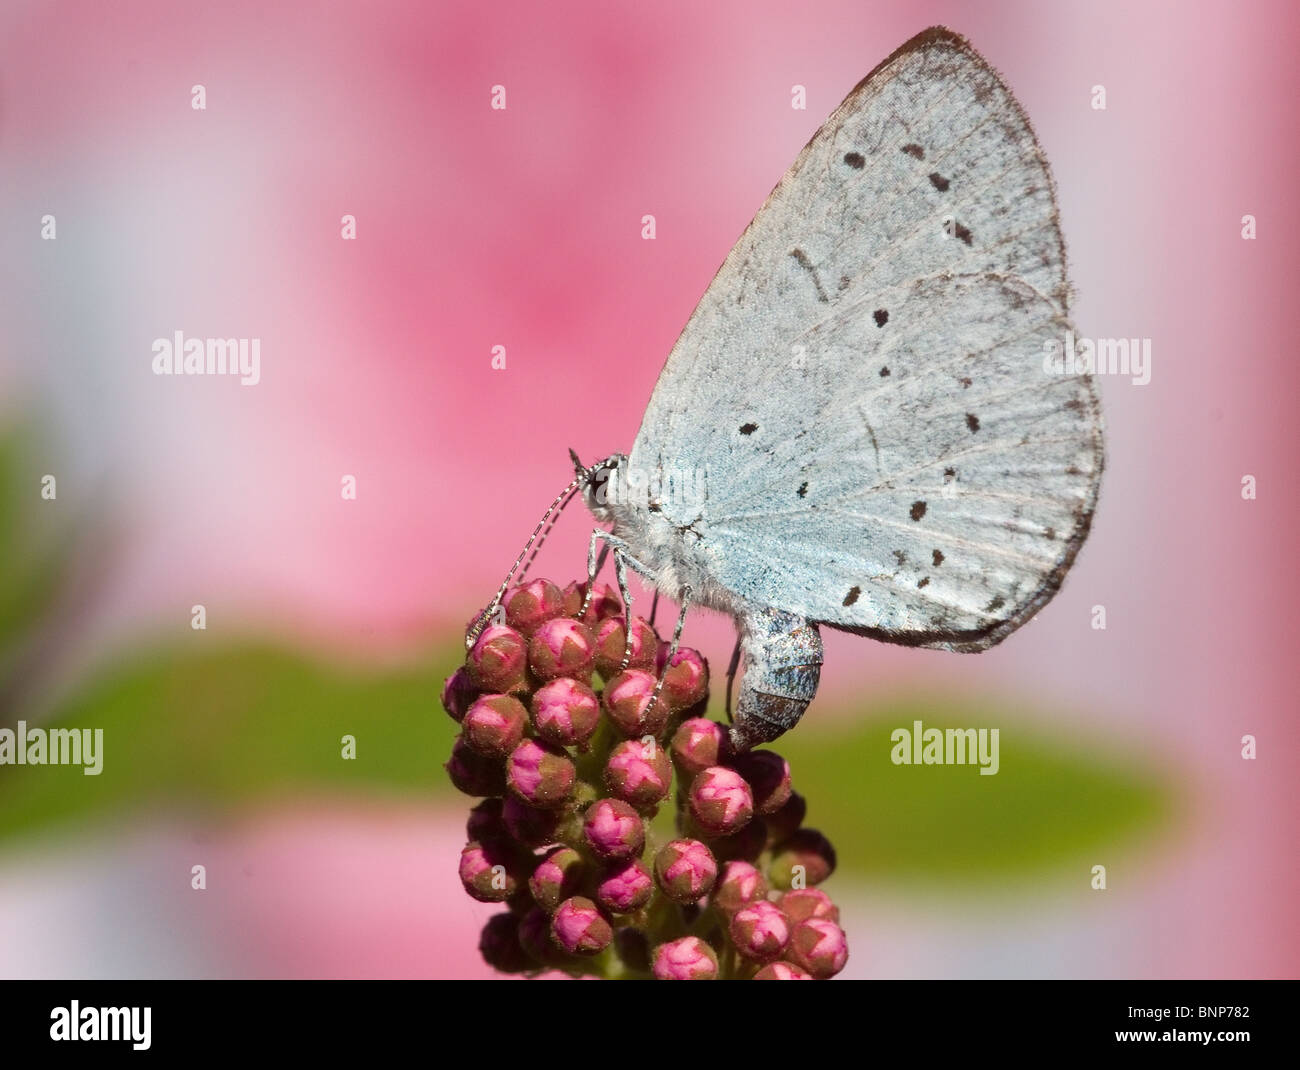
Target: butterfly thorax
(661, 520)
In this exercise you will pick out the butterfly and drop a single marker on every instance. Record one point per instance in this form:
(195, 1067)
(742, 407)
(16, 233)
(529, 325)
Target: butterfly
(857, 427)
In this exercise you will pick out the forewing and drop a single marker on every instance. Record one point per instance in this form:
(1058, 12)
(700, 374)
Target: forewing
(928, 166)
(902, 277)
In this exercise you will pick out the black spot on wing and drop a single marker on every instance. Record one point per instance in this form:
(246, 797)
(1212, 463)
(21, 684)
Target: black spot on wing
(803, 490)
(855, 160)
(915, 151)
(748, 429)
(949, 474)
(917, 511)
(995, 604)
(852, 596)
(884, 373)
(939, 182)
(937, 557)
(881, 316)
(973, 422)
(923, 582)
(962, 232)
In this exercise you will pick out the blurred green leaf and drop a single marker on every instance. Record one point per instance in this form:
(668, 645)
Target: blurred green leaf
(1052, 804)
(217, 729)
(35, 550)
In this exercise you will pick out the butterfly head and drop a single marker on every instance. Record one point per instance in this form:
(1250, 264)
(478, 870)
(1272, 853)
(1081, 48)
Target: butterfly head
(600, 484)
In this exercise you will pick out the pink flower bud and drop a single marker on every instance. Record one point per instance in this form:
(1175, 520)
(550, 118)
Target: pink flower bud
(686, 870)
(495, 724)
(498, 661)
(532, 604)
(610, 642)
(613, 830)
(782, 971)
(473, 773)
(535, 938)
(556, 878)
(806, 903)
(561, 647)
(540, 775)
(698, 744)
(499, 945)
(768, 775)
(782, 824)
(686, 678)
(565, 712)
(530, 825)
(819, 946)
(687, 959)
(739, 885)
(760, 931)
(486, 822)
(457, 694)
(626, 888)
(639, 773)
(627, 701)
(579, 928)
(604, 603)
(805, 859)
(720, 800)
(486, 872)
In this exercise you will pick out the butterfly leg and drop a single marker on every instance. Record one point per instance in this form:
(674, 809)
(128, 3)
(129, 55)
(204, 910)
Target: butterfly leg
(683, 600)
(623, 560)
(731, 674)
(594, 565)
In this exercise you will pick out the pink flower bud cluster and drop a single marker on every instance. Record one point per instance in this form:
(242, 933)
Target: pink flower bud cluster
(574, 758)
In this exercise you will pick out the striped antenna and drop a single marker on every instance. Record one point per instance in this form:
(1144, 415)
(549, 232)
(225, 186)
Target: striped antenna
(538, 536)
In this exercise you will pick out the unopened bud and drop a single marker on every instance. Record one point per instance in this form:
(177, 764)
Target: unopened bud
(686, 870)
(610, 643)
(540, 775)
(531, 605)
(498, 661)
(565, 712)
(474, 773)
(494, 725)
(561, 647)
(720, 800)
(627, 701)
(638, 773)
(579, 928)
(687, 959)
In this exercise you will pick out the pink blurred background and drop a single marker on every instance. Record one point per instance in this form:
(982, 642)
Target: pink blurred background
(521, 228)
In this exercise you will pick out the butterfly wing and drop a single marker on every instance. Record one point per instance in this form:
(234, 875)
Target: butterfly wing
(864, 381)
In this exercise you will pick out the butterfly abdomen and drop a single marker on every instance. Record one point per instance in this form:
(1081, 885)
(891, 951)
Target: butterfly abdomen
(783, 658)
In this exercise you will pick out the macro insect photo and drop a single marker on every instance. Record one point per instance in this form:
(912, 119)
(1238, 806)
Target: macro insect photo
(732, 491)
